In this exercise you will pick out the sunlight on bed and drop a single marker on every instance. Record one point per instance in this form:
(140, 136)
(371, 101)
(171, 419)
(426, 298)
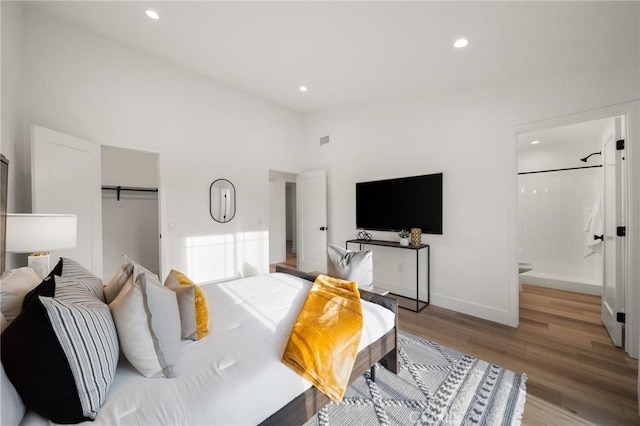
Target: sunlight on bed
(220, 257)
(267, 298)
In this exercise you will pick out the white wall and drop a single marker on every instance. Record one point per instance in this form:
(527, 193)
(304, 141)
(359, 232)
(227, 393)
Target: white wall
(561, 155)
(13, 133)
(130, 224)
(469, 135)
(128, 167)
(86, 85)
(553, 209)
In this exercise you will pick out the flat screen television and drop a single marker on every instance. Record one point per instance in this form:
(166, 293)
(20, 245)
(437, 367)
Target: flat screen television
(403, 203)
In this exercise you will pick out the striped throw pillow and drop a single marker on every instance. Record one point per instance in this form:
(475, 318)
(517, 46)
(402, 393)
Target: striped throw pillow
(61, 352)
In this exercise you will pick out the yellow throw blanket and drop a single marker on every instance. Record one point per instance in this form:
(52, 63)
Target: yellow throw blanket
(324, 342)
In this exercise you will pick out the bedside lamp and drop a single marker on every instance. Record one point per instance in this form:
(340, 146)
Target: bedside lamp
(39, 233)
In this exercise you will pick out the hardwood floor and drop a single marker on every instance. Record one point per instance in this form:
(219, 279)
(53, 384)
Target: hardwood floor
(575, 374)
(291, 261)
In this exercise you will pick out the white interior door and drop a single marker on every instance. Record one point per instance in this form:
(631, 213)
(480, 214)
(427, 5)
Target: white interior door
(65, 178)
(613, 283)
(312, 221)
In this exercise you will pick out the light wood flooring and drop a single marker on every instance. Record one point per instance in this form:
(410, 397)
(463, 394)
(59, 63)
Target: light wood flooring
(291, 261)
(575, 374)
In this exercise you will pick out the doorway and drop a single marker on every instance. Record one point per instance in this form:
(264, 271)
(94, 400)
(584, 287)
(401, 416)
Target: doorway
(572, 186)
(130, 208)
(309, 240)
(283, 226)
(291, 225)
(559, 207)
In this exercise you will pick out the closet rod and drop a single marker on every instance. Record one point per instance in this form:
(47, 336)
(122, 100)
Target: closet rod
(559, 170)
(127, 188)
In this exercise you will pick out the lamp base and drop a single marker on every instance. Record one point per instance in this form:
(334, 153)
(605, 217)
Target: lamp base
(39, 262)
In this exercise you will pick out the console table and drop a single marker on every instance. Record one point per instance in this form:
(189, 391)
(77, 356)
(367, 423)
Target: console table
(420, 305)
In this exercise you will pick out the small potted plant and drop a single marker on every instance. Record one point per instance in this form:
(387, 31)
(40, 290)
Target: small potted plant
(404, 237)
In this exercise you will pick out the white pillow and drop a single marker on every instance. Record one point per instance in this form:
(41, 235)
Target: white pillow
(13, 409)
(138, 268)
(148, 323)
(351, 266)
(113, 287)
(14, 285)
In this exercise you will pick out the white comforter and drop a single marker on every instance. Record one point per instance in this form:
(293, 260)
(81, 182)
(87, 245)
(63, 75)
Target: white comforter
(234, 376)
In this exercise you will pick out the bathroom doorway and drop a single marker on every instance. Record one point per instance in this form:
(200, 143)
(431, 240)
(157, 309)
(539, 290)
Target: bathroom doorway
(572, 184)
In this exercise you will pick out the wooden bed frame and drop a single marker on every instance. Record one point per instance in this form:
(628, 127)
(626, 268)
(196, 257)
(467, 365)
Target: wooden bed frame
(383, 350)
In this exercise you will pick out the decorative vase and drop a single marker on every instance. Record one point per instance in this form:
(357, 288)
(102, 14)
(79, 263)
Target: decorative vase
(416, 236)
(404, 242)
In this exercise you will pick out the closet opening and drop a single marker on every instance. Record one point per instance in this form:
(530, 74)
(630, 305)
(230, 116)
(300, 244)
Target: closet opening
(130, 208)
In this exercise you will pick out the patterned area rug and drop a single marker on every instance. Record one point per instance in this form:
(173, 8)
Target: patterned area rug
(435, 386)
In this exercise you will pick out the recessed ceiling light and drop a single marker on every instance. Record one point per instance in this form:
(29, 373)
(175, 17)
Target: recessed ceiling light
(152, 14)
(461, 42)
(303, 88)
(535, 142)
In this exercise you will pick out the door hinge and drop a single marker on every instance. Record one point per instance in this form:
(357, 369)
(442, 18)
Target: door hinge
(621, 317)
(620, 145)
(621, 231)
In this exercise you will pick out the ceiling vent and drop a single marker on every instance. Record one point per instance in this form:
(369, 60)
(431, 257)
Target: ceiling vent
(324, 140)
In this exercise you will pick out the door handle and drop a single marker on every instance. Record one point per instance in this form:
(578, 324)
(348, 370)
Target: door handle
(323, 228)
(598, 237)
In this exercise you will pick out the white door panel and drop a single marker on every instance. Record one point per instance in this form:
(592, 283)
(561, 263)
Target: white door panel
(312, 221)
(613, 256)
(65, 178)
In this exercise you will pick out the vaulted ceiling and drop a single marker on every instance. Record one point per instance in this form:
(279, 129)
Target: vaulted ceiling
(349, 53)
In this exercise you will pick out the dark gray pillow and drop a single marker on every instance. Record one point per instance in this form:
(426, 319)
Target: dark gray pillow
(351, 265)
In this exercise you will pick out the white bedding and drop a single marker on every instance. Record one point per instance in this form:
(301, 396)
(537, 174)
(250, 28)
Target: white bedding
(235, 375)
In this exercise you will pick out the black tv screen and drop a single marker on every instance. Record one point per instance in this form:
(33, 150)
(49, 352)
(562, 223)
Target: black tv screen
(404, 203)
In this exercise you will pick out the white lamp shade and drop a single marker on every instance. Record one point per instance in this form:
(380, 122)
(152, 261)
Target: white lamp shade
(29, 233)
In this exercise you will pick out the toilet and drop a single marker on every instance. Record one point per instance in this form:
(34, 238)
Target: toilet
(524, 267)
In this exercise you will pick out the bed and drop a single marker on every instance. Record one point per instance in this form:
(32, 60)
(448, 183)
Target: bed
(235, 375)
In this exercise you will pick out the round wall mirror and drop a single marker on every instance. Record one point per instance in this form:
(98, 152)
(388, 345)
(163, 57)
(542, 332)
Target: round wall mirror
(222, 200)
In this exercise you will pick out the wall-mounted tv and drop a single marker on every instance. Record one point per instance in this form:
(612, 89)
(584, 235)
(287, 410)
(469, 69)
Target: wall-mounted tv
(403, 203)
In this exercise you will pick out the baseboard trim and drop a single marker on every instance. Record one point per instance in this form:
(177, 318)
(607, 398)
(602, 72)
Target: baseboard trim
(489, 313)
(560, 284)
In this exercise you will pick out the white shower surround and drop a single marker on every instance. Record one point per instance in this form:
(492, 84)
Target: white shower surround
(553, 209)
